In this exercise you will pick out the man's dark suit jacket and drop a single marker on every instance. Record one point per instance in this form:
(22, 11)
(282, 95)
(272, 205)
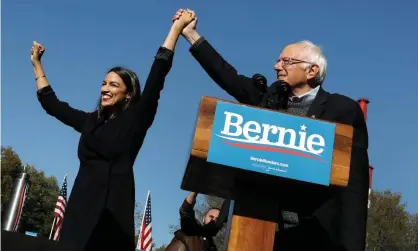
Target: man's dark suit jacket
(339, 223)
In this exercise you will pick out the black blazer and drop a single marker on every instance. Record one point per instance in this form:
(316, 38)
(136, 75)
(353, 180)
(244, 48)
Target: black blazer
(107, 151)
(342, 212)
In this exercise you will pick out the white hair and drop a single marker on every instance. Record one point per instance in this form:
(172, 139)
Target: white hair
(313, 53)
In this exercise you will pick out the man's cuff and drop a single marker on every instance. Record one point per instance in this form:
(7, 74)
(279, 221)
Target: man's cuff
(197, 43)
(164, 53)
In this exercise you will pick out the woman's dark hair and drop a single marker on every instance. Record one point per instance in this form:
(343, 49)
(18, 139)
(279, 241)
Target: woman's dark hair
(131, 81)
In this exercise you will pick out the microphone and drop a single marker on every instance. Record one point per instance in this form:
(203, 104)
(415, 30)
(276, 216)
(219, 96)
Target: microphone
(260, 79)
(282, 90)
(260, 83)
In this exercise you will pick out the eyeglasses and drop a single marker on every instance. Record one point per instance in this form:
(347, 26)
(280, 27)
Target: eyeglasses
(286, 61)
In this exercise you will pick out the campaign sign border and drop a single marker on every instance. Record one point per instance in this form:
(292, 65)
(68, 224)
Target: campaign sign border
(303, 162)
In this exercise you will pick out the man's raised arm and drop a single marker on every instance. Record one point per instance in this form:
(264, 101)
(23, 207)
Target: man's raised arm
(188, 222)
(240, 87)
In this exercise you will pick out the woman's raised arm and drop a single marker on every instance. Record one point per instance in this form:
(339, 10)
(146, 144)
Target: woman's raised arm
(147, 107)
(46, 95)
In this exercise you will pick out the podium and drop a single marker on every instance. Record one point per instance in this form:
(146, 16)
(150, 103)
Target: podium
(265, 161)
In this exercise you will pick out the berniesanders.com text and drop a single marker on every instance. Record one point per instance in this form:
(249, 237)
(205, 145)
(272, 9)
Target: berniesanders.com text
(268, 162)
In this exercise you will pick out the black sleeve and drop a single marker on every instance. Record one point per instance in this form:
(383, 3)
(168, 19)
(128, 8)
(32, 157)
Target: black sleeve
(61, 110)
(146, 108)
(189, 224)
(352, 200)
(240, 87)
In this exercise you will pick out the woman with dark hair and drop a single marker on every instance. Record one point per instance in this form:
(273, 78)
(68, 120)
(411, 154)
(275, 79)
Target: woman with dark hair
(100, 212)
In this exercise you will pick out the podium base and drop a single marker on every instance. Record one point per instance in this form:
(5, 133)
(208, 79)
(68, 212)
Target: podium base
(252, 226)
(251, 234)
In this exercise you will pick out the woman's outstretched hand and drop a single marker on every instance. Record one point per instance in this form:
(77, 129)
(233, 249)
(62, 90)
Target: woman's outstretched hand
(36, 52)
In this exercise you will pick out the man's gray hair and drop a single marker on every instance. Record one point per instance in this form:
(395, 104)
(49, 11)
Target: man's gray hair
(313, 53)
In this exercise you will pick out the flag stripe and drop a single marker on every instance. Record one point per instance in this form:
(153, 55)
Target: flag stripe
(59, 210)
(145, 234)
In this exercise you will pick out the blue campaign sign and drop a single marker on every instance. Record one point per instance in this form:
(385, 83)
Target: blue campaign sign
(272, 143)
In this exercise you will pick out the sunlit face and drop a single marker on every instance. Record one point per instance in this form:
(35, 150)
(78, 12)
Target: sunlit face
(288, 66)
(113, 90)
(212, 215)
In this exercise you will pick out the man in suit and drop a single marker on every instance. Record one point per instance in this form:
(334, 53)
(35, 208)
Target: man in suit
(191, 226)
(196, 235)
(339, 222)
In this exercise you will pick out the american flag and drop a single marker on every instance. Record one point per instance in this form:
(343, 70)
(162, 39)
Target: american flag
(60, 210)
(145, 237)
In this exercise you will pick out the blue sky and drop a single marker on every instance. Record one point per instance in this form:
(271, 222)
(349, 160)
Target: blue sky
(372, 51)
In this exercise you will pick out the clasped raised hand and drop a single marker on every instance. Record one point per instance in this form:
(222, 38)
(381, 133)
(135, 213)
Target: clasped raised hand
(186, 18)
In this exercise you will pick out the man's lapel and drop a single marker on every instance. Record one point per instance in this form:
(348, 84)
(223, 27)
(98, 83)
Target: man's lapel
(318, 105)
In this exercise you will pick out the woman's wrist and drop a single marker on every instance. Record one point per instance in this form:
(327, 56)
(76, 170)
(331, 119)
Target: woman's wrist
(36, 63)
(175, 30)
(172, 37)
